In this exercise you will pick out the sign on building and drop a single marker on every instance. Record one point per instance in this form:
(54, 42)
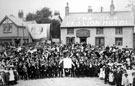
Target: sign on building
(83, 33)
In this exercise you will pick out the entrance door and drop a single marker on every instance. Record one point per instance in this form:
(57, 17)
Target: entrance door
(83, 40)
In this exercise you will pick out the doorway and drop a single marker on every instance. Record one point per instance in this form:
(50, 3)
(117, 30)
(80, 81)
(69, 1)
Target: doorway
(83, 39)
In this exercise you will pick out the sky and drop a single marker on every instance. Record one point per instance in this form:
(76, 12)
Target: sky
(8, 7)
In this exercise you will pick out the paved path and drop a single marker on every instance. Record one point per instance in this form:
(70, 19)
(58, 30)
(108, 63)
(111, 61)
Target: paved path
(66, 81)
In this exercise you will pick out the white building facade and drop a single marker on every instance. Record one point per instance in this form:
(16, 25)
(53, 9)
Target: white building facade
(99, 28)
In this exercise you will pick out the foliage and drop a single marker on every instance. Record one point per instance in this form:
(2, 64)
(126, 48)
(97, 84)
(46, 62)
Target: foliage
(55, 29)
(41, 16)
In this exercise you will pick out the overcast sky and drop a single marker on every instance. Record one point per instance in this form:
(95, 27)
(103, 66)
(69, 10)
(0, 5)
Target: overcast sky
(8, 7)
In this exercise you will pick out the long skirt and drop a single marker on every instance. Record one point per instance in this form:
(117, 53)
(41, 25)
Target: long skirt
(101, 74)
(11, 76)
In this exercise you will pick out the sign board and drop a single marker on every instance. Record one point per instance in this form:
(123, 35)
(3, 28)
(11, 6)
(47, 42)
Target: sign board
(83, 33)
(98, 23)
(99, 19)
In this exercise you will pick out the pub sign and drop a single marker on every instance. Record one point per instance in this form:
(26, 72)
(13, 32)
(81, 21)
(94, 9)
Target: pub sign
(83, 33)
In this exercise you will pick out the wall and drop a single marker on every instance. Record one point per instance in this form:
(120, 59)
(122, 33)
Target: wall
(109, 36)
(16, 32)
(23, 32)
(13, 33)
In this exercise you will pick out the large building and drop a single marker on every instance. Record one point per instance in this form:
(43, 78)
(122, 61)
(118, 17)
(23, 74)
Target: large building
(99, 28)
(13, 30)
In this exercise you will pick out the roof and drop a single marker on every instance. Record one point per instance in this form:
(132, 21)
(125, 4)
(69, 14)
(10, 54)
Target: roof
(98, 19)
(31, 22)
(15, 20)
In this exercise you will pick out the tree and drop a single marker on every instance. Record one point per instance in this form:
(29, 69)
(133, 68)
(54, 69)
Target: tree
(41, 16)
(56, 13)
(30, 16)
(55, 29)
(55, 25)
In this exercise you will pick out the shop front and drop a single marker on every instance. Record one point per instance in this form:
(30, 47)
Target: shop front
(83, 34)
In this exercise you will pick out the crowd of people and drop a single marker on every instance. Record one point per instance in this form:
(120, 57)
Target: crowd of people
(42, 60)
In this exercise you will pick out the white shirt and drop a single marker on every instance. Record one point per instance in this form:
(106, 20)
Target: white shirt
(67, 63)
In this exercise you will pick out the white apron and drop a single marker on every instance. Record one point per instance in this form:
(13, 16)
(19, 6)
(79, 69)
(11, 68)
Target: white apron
(11, 76)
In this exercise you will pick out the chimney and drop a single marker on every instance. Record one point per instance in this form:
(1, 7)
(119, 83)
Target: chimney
(89, 9)
(101, 9)
(20, 14)
(112, 7)
(67, 10)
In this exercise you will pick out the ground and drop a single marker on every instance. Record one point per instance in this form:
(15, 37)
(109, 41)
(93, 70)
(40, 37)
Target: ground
(66, 81)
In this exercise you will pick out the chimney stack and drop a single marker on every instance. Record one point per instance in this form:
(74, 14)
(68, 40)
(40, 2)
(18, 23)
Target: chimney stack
(101, 9)
(89, 9)
(67, 10)
(20, 14)
(112, 7)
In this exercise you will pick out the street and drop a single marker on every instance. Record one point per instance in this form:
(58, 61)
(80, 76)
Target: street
(66, 81)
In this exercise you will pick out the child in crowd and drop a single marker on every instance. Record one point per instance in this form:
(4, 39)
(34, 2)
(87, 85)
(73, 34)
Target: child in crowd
(111, 78)
(125, 80)
(102, 73)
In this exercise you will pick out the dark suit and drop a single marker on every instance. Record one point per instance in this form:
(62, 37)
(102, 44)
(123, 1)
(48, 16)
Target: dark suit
(133, 81)
(107, 70)
(118, 78)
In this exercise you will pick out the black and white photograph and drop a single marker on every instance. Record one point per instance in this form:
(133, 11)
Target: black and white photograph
(67, 42)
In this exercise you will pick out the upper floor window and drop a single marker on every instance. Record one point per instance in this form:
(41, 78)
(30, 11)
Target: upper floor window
(7, 28)
(118, 30)
(70, 30)
(99, 31)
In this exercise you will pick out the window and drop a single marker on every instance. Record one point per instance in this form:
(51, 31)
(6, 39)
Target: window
(70, 30)
(118, 30)
(99, 41)
(70, 40)
(118, 41)
(99, 31)
(7, 28)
